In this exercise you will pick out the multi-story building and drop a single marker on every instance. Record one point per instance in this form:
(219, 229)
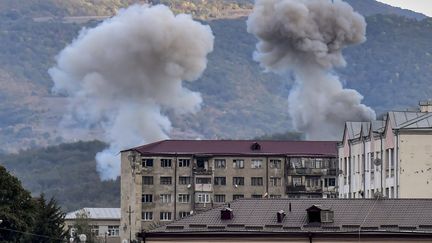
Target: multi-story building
(171, 179)
(390, 158)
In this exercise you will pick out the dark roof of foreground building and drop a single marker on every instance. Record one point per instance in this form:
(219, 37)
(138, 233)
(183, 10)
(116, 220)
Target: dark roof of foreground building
(239, 147)
(413, 216)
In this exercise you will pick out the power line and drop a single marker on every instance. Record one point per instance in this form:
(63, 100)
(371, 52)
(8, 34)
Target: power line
(28, 233)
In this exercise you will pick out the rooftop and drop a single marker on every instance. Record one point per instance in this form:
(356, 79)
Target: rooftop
(350, 215)
(239, 147)
(96, 213)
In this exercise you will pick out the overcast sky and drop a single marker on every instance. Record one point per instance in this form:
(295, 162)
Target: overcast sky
(421, 6)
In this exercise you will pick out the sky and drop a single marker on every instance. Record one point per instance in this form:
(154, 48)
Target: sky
(420, 6)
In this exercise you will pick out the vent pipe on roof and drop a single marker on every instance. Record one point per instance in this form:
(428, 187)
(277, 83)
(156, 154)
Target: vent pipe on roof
(425, 106)
(280, 216)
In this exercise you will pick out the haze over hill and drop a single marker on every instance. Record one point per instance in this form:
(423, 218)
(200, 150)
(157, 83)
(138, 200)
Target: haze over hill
(239, 100)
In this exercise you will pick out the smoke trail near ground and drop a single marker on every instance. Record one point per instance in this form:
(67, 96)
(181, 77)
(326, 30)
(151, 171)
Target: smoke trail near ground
(307, 37)
(122, 73)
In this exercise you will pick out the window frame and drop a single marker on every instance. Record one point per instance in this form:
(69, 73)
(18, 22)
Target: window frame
(145, 214)
(182, 196)
(238, 180)
(147, 196)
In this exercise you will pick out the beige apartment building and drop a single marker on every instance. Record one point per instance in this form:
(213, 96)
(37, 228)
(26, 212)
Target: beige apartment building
(172, 179)
(390, 158)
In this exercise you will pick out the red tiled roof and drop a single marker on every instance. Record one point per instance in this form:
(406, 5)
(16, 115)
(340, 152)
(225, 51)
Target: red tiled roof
(239, 147)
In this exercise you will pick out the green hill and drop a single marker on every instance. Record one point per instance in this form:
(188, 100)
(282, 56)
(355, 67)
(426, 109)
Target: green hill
(66, 172)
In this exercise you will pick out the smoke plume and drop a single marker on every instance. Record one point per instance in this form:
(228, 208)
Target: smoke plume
(307, 37)
(121, 74)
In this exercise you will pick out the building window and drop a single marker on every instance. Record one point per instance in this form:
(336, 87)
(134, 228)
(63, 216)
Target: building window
(147, 216)
(256, 181)
(184, 163)
(327, 216)
(256, 164)
(147, 180)
(165, 198)
(238, 181)
(165, 216)
(275, 163)
(203, 180)
(297, 181)
(256, 196)
(275, 181)
(331, 181)
(220, 181)
(220, 163)
(202, 198)
(147, 198)
(275, 196)
(147, 162)
(165, 180)
(238, 164)
(183, 198)
(183, 214)
(185, 180)
(113, 230)
(220, 198)
(165, 162)
(94, 230)
(237, 196)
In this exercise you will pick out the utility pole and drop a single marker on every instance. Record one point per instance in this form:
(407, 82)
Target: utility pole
(130, 224)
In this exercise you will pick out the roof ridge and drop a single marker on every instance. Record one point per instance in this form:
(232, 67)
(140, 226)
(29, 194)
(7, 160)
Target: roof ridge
(417, 119)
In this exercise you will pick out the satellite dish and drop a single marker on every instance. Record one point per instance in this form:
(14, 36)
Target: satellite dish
(377, 162)
(191, 212)
(189, 186)
(236, 185)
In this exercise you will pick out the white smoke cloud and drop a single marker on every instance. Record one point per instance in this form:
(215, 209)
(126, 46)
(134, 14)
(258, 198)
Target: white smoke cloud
(123, 72)
(307, 37)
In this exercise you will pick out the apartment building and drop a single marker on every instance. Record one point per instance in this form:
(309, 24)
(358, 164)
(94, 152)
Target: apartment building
(389, 158)
(171, 179)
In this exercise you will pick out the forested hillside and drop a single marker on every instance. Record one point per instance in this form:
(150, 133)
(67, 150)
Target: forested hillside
(66, 172)
(240, 101)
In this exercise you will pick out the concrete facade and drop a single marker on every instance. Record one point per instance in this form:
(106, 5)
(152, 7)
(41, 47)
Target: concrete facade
(159, 188)
(390, 158)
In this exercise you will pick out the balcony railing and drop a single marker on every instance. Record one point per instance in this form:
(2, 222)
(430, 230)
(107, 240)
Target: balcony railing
(312, 171)
(296, 188)
(203, 187)
(203, 171)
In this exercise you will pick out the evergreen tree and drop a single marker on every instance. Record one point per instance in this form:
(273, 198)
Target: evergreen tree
(49, 221)
(16, 209)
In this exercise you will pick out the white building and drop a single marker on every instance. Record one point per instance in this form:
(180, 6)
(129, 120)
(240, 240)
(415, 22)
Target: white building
(391, 158)
(104, 223)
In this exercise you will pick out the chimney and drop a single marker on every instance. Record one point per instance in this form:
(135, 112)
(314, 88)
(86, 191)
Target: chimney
(227, 213)
(425, 106)
(280, 216)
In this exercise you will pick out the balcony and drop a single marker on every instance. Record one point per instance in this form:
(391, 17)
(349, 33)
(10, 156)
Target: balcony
(301, 188)
(312, 171)
(202, 170)
(203, 187)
